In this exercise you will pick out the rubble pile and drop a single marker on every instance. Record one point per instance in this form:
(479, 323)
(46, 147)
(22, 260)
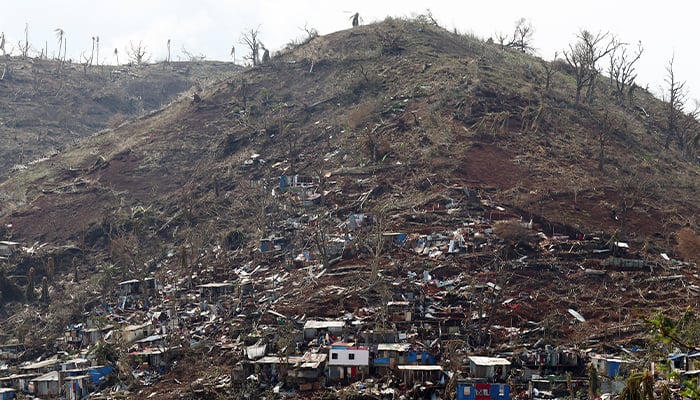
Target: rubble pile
(374, 304)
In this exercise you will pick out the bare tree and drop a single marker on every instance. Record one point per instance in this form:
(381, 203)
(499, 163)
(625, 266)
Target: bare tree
(522, 36)
(607, 125)
(97, 50)
(356, 19)
(193, 57)
(24, 47)
(675, 103)
(60, 33)
(622, 72)
(583, 57)
(168, 59)
(137, 53)
(521, 39)
(548, 71)
(92, 52)
(2, 43)
(116, 55)
(251, 40)
(233, 53)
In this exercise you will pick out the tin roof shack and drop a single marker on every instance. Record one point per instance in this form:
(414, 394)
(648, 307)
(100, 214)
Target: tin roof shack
(47, 385)
(388, 355)
(40, 367)
(76, 387)
(11, 351)
(73, 336)
(153, 358)
(558, 386)
(92, 336)
(474, 389)
(323, 331)
(379, 336)
(215, 290)
(553, 360)
(347, 362)
(8, 248)
(420, 374)
(495, 369)
(307, 371)
(132, 333)
(7, 393)
(273, 243)
(400, 312)
(685, 364)
(130, 287)
(19, 382)
(610, 367)
(75, 364)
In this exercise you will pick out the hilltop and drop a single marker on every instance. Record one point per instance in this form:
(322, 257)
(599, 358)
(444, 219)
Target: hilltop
(434, 137)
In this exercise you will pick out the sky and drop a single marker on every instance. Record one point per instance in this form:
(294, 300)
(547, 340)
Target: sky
(210, 28)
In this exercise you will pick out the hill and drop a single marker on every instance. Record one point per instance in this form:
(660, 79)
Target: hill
(47, 106)
(388, 162)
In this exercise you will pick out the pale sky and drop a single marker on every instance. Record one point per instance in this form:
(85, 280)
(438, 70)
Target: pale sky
(212, 27)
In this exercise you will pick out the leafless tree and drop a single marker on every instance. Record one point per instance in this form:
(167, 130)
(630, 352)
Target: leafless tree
(607, 125)
(583, 57)
(191, 56)
(522, 36)
(675, 103)
(622, 72)
(251, 40)
(548, 71)
(97, 50)
(2, 43)
(24, 47)
(167, 60)
(116, 55)
(92, 52)
(137, 53)
(60, 34)
(356, 19)
(233, 53)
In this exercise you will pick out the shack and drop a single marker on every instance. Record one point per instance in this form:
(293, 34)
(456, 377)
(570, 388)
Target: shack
(47, 385)
(494, 369)
(7, 393)
(470, 389)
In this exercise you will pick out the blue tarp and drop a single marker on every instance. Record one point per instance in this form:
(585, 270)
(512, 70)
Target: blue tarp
(99, 375)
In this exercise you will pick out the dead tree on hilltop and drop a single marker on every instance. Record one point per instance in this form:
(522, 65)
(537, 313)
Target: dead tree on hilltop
(522, 36)
(355, 19)
(251, 40)
(24, 47)
(2, 43)
(137, 53)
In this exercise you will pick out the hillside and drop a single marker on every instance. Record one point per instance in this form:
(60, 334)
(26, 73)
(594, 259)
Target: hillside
(433, 136)
(47, 106)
